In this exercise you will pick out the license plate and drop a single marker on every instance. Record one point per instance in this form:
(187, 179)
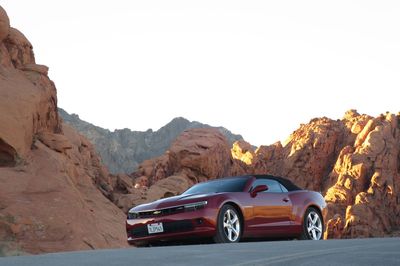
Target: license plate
(155, 228)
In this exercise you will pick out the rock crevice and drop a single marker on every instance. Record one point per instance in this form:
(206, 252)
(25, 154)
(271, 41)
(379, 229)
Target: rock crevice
(8, 155)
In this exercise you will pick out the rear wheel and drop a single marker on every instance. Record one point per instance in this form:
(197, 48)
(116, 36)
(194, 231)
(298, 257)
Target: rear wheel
(229, 227)
(312, 225)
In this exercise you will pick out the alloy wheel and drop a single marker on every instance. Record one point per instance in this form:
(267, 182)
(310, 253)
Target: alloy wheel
(314, 226)
(231, 225)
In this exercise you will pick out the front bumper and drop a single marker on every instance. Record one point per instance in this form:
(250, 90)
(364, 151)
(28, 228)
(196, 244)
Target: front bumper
(193, 224)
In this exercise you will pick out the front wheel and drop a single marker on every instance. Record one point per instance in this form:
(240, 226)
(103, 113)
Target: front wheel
(312, 225)
(228, 225)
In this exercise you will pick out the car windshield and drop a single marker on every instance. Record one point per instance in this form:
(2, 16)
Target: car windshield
(221, 185)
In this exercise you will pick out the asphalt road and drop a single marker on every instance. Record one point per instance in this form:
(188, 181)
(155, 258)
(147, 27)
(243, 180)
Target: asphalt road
(377, 251)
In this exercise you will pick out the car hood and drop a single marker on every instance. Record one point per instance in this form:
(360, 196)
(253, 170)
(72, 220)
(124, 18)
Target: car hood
(171, 202)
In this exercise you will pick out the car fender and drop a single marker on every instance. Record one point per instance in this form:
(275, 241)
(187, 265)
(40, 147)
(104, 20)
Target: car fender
(302, 200)
(226, 198)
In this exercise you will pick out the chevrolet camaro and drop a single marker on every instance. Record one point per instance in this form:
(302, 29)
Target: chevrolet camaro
(228, 210)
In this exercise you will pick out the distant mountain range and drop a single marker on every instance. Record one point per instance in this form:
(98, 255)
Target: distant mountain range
(123, 149)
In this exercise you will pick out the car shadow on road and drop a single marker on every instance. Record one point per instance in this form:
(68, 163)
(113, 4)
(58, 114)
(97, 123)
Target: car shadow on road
(208, 241)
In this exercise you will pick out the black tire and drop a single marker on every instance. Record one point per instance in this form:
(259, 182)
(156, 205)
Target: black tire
(235, 228)
(309, 216)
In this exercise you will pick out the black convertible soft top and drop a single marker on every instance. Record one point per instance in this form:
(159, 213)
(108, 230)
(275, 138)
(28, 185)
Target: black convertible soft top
(284, 181)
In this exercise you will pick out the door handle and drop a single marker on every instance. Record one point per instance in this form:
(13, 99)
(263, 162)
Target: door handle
(285, 199)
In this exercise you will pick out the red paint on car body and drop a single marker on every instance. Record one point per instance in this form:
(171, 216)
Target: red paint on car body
(267, 214)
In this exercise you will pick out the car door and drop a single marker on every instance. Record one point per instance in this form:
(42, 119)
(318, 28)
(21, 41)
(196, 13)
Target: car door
(272, 209)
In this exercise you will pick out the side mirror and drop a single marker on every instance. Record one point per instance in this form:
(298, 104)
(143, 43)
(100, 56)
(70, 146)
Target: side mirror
(258, 189)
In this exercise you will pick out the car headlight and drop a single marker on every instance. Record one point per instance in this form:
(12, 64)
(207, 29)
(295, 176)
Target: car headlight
(133, 215)
(195, 206)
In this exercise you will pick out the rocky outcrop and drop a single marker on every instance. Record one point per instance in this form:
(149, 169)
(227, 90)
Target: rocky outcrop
(366, 194)
(196, 155)
(123, 150)
(53, 188)
(354, 162)
(4, 24)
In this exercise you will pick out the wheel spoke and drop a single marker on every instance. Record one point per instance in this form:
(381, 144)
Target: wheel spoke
(235, 218)
(235, 232)
(314, 234)
(315, 218)
(310, 223)
(237, 229)
(230, 234)
(228, 215)
(318, 229)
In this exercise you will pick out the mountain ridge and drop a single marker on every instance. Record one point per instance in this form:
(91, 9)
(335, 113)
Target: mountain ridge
(122, 150)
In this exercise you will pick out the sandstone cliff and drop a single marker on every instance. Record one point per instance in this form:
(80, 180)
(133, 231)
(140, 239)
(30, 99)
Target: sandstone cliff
(123, 150)
(354, 162)
(52, 184)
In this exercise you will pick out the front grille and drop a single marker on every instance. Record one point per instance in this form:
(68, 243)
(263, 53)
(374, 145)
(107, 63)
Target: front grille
(169, 227)
(156, 213)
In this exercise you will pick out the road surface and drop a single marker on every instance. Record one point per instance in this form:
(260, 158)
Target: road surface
(377, 251)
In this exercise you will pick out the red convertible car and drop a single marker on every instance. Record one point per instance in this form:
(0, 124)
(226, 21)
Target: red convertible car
(229, 210)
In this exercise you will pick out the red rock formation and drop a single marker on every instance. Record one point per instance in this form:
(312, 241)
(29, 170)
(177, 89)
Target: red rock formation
(196, 155)
(366, 194)
(243, 151)
(354, 162)
(52, 184)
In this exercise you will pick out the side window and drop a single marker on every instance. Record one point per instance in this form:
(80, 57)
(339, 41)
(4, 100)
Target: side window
(273, 185)
(283, 188)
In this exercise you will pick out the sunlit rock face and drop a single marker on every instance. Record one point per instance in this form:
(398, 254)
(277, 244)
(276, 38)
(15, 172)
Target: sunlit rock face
(243, 151)
(53, 188)
(367, 181)
(353, 162)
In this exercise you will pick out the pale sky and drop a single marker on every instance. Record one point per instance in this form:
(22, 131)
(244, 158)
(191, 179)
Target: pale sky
(258, 68)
